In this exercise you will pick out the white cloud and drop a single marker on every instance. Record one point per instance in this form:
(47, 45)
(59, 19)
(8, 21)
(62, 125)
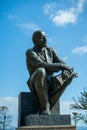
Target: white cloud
(63, 17)
(12, 17)
(65, 107)
(48, 8)
(80, 50)
(27, 28)
(12, 104)
(80, 5)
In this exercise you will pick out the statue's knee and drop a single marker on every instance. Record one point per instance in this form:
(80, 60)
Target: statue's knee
(41, 72)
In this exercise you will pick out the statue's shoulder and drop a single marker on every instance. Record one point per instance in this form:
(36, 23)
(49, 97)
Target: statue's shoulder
(50, 49)
(29, 51)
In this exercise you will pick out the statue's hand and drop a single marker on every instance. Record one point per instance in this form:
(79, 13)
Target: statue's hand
(64, 67)
(74, 74)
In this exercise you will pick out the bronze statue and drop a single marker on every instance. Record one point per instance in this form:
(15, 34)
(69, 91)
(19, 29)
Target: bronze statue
(42, 62)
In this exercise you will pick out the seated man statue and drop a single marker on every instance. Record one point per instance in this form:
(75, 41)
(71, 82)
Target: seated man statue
(42, 62)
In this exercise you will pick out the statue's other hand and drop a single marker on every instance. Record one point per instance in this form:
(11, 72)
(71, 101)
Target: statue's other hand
(75, 75)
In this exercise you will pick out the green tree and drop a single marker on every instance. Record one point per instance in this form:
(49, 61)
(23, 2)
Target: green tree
(5, 119)
(80, 104)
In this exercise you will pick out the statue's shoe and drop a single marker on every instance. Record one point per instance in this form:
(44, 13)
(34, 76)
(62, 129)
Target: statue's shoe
(46, 112)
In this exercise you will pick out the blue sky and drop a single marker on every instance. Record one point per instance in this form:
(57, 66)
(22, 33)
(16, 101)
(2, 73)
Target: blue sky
(65, 23)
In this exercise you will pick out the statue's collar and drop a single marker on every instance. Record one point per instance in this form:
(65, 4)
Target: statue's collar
(38, 49)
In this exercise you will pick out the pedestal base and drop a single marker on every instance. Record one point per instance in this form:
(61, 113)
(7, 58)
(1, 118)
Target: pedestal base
(46, 120)
(64, 127)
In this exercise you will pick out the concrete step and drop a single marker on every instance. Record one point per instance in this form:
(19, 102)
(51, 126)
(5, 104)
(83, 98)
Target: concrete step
(61, 127)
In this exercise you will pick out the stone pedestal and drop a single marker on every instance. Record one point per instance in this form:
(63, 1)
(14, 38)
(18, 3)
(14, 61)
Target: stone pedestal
(46, 120)
(28, 104)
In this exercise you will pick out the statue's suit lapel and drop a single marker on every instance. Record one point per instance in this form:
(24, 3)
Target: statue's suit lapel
(48, 55)
(44, 55)
(41, 56)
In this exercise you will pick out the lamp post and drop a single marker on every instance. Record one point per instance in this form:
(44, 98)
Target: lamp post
(75, 117)
(4, 122)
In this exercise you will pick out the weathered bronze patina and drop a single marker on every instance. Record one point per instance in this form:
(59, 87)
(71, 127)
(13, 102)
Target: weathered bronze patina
(42, 62)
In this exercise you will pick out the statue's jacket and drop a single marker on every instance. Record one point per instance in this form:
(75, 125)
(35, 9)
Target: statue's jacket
(45, 57)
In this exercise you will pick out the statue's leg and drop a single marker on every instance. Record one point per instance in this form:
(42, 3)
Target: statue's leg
(58, 91)
(38, 80)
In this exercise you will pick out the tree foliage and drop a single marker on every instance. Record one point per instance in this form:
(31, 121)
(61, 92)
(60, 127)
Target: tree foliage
(5, 119)
(80, 104)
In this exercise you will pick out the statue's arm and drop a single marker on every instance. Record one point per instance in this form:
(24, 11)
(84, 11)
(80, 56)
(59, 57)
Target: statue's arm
(56, 59)
(36, 62)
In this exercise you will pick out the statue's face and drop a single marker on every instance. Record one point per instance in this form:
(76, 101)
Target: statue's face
(41, 39)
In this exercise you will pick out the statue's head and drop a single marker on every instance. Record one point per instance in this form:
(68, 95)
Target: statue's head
(39, 38)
